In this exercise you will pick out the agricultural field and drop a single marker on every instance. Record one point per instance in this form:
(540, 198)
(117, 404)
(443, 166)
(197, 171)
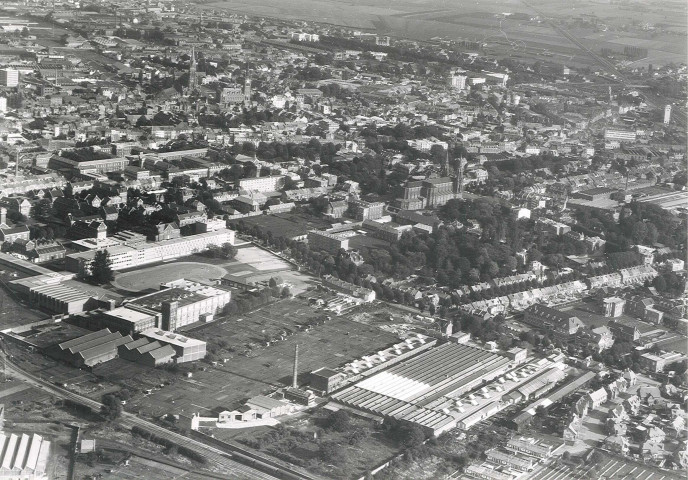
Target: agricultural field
(507, 27)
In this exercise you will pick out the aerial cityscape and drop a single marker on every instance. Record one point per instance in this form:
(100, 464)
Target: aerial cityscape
(363, 240)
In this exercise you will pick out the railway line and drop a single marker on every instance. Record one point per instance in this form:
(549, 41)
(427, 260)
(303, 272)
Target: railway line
(220, 459)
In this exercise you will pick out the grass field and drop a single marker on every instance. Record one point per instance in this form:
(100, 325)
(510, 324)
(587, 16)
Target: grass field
(287, 225)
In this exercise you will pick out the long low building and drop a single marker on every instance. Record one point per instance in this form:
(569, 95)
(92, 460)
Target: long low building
(410, 390)
(91, 349)
(130, 256)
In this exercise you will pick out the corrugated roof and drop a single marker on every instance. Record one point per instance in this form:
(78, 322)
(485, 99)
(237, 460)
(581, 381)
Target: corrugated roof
(84, 338)
(162, 352)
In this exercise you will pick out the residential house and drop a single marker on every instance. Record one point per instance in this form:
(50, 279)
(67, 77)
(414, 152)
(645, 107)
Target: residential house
(623, 332)
(632, 405)
(596, 398)
(617, 444)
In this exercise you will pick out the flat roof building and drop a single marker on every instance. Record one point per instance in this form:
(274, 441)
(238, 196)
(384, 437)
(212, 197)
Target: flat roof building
(186, 349)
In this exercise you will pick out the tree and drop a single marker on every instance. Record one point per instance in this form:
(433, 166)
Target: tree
(229, 251)
(339, 421)
(101, 268)
(411, 436)
(566, 456)
(111, 408)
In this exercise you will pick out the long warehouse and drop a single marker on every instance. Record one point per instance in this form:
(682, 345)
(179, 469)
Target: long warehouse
(410, 390)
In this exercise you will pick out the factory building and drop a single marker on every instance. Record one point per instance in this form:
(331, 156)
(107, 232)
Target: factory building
(329, 242)
(423, 389)
(129, 319)
(183, 302)
(136, 255)
(148, 353)
(23, 456)
(59, 298)
(272, 183)
(91, 349)
(186, 349)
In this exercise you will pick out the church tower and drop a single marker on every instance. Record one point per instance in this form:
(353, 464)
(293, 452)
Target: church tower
(247, 88)
(192, 71)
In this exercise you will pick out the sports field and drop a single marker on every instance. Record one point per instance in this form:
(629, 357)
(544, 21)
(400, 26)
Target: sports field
(249, 261)
(152, 277)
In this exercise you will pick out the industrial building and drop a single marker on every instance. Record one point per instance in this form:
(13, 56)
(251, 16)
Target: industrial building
(148, 353)
(420, 390)
(130, 256)
(186, 349)
(329, 242)
(129, 319)
(271, 183)
(23, 457)
(182, 302)
(91, 349)
(99, 166)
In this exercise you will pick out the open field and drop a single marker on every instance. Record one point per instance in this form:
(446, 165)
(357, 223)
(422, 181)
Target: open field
(304, 434)
(252, 368)
(506, 34)
(287, 225)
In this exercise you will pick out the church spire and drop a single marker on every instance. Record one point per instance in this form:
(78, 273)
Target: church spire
(192, 70)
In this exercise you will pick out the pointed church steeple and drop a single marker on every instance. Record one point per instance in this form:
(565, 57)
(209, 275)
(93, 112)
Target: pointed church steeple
(192, 70)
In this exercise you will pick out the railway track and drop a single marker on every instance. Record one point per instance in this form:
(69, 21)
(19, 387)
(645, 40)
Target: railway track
(223, 461)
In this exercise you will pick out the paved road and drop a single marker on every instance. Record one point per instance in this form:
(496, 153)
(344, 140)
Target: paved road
(215, 456)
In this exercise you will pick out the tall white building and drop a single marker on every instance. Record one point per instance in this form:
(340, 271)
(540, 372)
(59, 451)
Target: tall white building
(458, 81)
(667, 114)
(9, 77)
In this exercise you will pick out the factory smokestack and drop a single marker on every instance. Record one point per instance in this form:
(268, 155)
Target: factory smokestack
(295, 375)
